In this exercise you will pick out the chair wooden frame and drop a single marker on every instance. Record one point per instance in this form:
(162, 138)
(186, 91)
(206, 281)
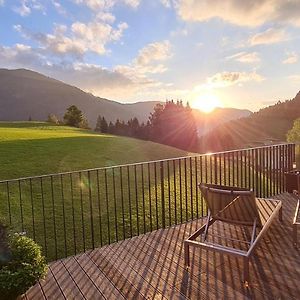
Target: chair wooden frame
(246, 255)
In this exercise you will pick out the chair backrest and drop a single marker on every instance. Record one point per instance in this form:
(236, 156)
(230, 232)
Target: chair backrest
(230, 204)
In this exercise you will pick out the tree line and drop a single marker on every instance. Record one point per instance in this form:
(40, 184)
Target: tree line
(171, 123)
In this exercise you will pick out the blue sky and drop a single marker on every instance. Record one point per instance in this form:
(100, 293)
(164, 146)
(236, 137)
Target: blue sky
(242, 54)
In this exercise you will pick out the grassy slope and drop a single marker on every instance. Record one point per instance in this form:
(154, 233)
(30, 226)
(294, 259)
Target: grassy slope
(35, 148)
(60, 221)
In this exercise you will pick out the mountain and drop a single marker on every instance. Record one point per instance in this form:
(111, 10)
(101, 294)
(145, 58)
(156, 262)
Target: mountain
(207, 122)
(266, 126)
(24, 94)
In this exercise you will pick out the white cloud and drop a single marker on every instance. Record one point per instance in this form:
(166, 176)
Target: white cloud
(77, 40)
(166, 3)
(292, 58)
(225, 79)
(2, 2)
(270, 36)
(244, 13)
(146, 61)
(59, 8)
(245, 57)
(104, 5)
(23, 10)
(25, 7)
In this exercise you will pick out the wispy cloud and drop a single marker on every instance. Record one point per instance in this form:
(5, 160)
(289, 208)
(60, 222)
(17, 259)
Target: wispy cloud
(244, 57)
(225, 79)
(292, 58)
(270, 36)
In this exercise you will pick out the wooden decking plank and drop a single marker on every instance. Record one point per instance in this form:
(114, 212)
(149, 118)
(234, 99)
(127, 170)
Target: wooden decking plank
(98, 277)
(198, 257)
(115, 274)
(147, 282)
(166, 259)
(80, 278)
(35, 292)
(50, 286)
(65, 281)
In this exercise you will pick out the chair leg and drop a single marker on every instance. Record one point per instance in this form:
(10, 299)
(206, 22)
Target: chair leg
(186, 255)
(280, 214)
(295, 235)
(246, 272)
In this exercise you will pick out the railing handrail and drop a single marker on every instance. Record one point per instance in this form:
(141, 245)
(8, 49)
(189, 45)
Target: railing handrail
(141, 163)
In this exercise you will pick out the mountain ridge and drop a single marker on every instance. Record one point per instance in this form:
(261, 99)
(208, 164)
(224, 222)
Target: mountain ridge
(28, 94)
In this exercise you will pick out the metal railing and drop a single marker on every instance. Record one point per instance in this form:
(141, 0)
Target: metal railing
(68, 213)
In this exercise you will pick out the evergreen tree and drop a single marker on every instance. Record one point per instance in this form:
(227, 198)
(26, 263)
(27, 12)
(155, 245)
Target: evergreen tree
(98, 124)
(73, 116)
(103, 125)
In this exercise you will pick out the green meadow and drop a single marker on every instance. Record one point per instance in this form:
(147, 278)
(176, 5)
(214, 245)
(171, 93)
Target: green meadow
(72, 212)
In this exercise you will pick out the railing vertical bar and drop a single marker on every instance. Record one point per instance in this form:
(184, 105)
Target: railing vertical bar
(99, 208)
(73, 213)
(81, 208)
(107, 205)
(143, 198)
(175, 191)
(196, 186)
(238, 171)
(149, 188)
(64, 213)
(225, 168)
(115, 204)
(262, 170)
(21, 205)
(249, 156)
(267, 172)
(91, 210)
(256, 171)
(136, 201)
(210, 169)
(215, 169)
(201, 181)
(32, 208)
(191, 188)
(8, 202)
(122, 204)
(233, 168)
(186, 190)
(129, 201)
(221, 158)
(274, 170)
(180, 190)
(156, 194)
(44, 219)
(53, 215)
(278, 169)
(162, 190)
(169, 193)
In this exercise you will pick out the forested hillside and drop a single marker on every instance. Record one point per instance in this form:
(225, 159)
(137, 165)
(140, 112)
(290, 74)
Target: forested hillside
(265, 126)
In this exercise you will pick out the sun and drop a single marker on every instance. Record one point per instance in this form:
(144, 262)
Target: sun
(207, 102)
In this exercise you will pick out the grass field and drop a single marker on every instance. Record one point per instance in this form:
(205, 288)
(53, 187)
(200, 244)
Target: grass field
(70, 213)
(36, 148)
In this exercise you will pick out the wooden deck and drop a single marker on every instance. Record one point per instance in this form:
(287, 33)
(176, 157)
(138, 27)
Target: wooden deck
(152, 266)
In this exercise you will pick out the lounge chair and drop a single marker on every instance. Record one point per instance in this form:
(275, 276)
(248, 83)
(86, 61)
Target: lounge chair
(237, 206)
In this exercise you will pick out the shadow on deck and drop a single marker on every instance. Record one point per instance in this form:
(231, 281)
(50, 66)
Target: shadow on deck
(152, 266)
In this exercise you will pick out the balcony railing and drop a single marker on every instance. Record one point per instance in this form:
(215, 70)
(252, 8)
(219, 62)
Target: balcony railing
(69, 213)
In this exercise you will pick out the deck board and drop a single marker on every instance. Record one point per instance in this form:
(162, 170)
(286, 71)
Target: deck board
(151, 266)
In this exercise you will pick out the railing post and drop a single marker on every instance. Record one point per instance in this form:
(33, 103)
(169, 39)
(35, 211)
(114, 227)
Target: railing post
(162, 187)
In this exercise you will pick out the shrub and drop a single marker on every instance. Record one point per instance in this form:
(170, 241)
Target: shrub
(25, 267)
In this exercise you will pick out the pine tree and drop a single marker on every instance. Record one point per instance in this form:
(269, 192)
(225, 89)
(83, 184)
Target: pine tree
(73, 116)
(103, 125)
(98, 124)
